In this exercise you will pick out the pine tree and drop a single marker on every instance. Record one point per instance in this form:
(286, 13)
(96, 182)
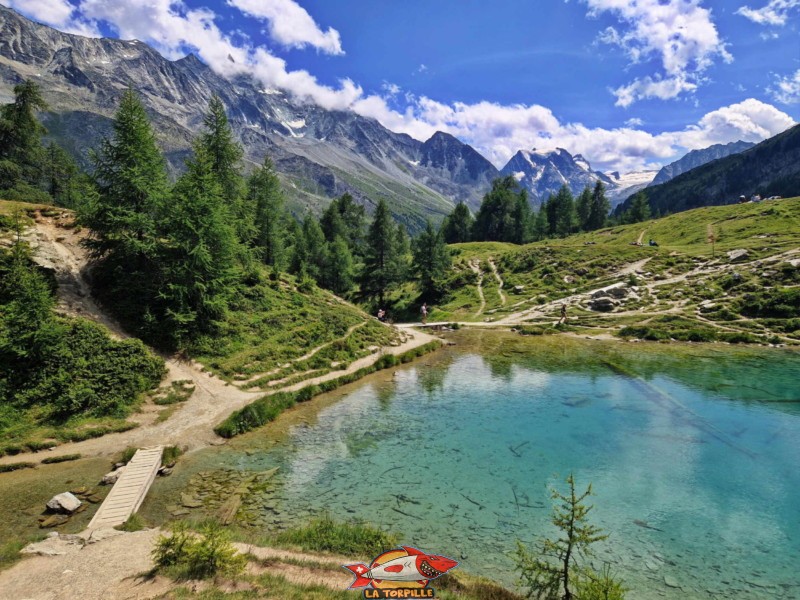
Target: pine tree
(565, 218)
(551, 573)
(345, 218)
(225, 155)
(131, 191)
(457, 226)
(21, 137)
(639, 210)
(315, 248)
(431, 261)
(338, 275)
(132, 184)
(264, 193)
(199, 252)
(583, 206)
(599, 207)
(522, 219)
(382, 256)
(498, 217)
(541, 226)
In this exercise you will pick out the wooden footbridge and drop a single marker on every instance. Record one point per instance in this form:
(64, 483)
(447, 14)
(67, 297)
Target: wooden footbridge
(129, 491)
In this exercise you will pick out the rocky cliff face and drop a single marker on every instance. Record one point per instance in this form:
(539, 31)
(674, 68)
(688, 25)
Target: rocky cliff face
(543, 173)
(320, 154)
(696, 158)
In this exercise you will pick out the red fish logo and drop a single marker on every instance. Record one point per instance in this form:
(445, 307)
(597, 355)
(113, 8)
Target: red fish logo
(404, 567)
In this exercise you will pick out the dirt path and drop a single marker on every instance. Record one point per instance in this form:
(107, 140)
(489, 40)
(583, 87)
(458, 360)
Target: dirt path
(500, 292)
(305, 356)
(114, 568)
(475, 265)
(213, 400)
(640, 238)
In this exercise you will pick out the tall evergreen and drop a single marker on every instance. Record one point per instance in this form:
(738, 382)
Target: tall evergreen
(199, 253)
(457, 226)
(315, 248)
(583, 207)
(541, 226)
(564, 217)
(21, 137)
(431, 261)
(498, 219)
(599, 207)
(225, 156)
(339, 272)
(132, 189)
(381, 257)
(639, 210)
(345, 218)
(265, 195)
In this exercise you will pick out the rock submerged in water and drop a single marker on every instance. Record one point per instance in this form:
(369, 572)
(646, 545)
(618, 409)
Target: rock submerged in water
(65, 503)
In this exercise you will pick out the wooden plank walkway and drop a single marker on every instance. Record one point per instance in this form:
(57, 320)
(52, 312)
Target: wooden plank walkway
(129, 491)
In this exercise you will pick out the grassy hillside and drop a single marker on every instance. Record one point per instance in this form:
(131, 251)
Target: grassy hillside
(686, 283)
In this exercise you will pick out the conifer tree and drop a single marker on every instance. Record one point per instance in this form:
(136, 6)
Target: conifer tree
(382, 257)
(338, 275)
(639, 210)
(431, 261)
(225, 156)
(599, 207)
(315, 248)
(541, 226)
(552, 572)
(21, 136)
(498, 217)
(565, 219)
(265, 195)
(457, 226)
(345, 218)
(199, 254)
(583, 206)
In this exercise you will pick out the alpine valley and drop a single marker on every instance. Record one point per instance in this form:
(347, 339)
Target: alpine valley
(320, 154)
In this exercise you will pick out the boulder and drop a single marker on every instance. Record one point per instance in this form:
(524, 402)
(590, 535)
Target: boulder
(64, 503)
(740, 254)
(618, 292)
(600, 294)
(604, 304)
(518, 289)
(111, 478)
(54, 521)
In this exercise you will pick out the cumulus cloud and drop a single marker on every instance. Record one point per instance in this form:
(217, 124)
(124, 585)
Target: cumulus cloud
(776, 12)
(497, 131)
(57, 13)
(680, 34)
(290, 24)
(787, 89)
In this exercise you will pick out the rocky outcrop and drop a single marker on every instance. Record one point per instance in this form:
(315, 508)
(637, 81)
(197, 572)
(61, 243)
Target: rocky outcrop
(65, 503)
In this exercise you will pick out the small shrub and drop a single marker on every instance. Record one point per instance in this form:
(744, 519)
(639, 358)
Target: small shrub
(185, 555)
(170, 455)
(126, 455)
(326, 535)
(58, 459)
(7, 468)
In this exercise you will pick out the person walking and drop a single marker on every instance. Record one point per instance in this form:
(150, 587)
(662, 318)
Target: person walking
(424, 311)
(563, 318)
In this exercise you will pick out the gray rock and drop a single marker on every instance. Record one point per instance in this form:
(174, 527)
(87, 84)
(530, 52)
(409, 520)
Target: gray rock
(111, 478)
(603, 304)
(670, 581)
(740, 254)
(618, 292)
(519, 289)
(601, 294)
(64, 503)
(54, 521)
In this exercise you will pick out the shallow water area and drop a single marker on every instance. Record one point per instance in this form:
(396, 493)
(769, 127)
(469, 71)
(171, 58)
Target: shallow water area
(691, 451)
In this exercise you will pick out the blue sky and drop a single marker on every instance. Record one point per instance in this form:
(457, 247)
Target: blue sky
(628, 83)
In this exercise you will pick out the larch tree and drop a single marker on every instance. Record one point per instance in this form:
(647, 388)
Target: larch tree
(431, 261)
(457, 226)
(265, 195)
(381, 257)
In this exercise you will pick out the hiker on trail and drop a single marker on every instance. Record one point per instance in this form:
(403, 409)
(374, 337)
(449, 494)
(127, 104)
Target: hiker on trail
(381, 315)
(424, 311)
(563, 318)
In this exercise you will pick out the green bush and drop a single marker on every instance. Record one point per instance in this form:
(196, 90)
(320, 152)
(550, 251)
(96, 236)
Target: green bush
(326, 535)
(59, 459)
(7, 468)
(185, 555)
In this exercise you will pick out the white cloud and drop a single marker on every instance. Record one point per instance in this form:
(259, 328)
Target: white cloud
(680, 34)
(634, 122)
(497, 131)
(291, 25)
(776, 12)
(787, 89)
(57, 13)
(390, 89)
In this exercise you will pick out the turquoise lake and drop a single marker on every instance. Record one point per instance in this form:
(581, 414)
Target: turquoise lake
(692, 452)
